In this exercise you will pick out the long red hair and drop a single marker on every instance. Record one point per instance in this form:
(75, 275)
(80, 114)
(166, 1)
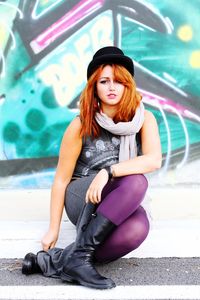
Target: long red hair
(89, 100)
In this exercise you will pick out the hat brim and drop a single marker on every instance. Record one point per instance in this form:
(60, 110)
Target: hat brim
(122, 60)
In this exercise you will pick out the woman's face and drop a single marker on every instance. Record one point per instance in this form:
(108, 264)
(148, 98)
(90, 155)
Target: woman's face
(109, 90)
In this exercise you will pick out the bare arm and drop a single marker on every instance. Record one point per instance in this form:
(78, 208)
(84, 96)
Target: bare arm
(69, 152)
(151, 158)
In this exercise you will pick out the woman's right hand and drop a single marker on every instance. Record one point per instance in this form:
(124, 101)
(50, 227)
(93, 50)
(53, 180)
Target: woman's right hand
(49, 240)
(94, 191)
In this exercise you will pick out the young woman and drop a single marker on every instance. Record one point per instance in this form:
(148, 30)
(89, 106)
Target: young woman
(99, 178)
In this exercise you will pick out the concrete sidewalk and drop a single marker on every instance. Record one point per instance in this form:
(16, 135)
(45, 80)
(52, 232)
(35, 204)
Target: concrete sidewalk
(165, 204)
(175, 214)
(170, 253)
(135, 278)
(166, 238)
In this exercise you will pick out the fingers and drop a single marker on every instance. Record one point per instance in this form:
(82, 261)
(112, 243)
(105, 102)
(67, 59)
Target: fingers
(93, 195)
(52, 245)
(94, 191)
(49, 240)
(45, 247)
(99, 195)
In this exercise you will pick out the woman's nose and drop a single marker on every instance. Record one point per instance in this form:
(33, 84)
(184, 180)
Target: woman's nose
(112, 86)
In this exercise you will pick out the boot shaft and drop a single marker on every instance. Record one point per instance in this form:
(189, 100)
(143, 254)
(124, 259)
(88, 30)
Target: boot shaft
(94, 233)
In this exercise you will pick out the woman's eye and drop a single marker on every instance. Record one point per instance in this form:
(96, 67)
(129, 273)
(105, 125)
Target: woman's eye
(103, 81)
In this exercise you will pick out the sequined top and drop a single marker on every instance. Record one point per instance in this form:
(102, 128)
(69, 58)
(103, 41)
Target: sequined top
(98, 153)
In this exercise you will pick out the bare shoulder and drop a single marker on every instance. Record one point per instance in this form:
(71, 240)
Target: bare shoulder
(71, 141)
(74, 128)
(75, 124)
(150, 123)
(70, 149)
(72, 137)
(149, 116)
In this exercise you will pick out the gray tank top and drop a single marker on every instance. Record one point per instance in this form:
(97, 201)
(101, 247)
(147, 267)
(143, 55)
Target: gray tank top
(97, 153)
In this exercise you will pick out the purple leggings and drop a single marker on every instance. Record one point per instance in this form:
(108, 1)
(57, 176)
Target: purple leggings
(121, 199)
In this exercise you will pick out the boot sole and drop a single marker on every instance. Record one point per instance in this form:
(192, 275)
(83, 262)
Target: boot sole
(66, 278)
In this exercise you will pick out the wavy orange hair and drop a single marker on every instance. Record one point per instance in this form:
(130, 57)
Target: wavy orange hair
(89, 100)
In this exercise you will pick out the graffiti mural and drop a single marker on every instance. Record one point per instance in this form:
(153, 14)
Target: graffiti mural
(45, 47)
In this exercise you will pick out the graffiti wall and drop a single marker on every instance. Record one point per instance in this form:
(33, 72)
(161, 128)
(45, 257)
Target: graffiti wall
(45, 46)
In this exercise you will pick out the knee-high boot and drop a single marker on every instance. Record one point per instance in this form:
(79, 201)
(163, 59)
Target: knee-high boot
(78, 266)
(50, 263)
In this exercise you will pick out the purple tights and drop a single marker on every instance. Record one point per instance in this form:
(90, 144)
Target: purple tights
(121, 199)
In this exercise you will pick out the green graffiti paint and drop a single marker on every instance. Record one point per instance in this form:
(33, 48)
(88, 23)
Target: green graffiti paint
(35, 119)
(48, 98)
(11, 132)
(45, 140)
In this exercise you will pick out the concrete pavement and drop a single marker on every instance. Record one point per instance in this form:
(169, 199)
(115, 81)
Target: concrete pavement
(175, 215)
(165, 266)
(165, 203)
(136, 278)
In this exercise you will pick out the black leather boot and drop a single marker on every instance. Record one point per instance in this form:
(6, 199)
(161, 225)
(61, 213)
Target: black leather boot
(30, 265)
(52, 267)
(79, 266)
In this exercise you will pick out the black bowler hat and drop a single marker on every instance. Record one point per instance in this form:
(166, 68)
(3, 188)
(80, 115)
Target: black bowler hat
(110, 55)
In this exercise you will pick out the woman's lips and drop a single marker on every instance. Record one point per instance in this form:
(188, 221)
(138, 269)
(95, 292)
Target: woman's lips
(112, 96)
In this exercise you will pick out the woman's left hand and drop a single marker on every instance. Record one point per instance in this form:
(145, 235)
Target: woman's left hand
(94, 191)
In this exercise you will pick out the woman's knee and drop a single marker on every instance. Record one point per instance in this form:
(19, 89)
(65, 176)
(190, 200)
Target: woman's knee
(138, 229)
(133, 183)
(138, 180)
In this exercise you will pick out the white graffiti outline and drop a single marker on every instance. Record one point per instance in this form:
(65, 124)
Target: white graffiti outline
(192, 115)
(169, 22)
(13, 6)
(139, 23)
(2, 58)
(169, 146)
(152, 8)
(120, 29)
(169, 77)
(12, 35)
(35, 17)
(160, 78)
(187, 142)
